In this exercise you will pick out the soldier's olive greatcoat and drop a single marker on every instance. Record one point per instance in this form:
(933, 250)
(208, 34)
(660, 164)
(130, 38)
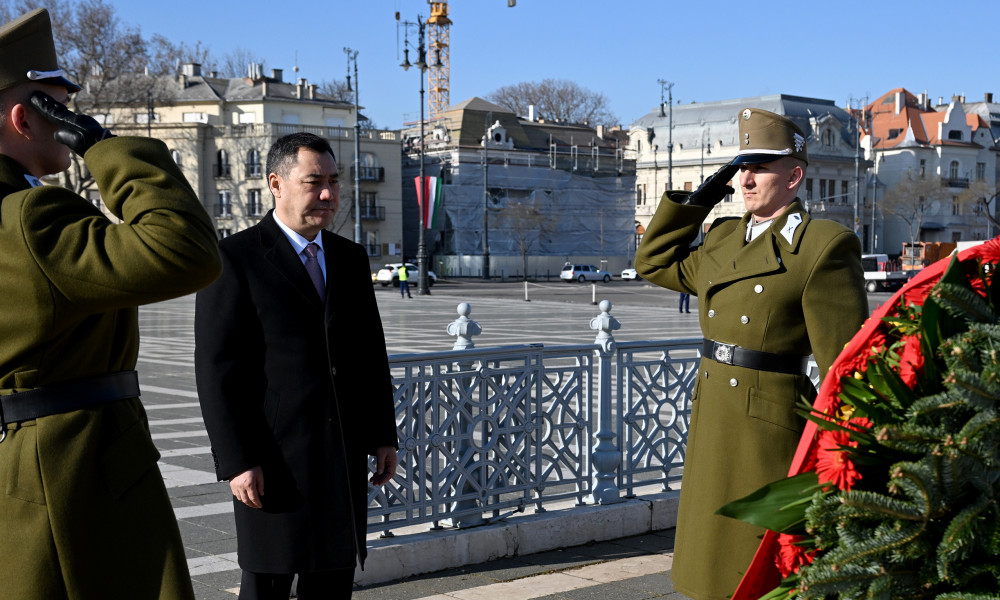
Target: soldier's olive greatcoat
(83, 509)
(796, 289)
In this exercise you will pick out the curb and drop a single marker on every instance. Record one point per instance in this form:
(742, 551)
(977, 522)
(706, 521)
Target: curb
(407, 554)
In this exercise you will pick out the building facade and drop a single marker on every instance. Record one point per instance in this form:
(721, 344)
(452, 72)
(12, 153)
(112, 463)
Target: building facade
(705, 136)
(939, 153)
(536, 195)
(220, 129)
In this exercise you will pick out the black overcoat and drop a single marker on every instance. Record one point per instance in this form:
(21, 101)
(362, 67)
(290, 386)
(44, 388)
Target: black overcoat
(298, 387)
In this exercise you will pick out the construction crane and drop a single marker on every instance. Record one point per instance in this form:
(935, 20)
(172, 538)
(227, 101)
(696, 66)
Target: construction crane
(439, 73)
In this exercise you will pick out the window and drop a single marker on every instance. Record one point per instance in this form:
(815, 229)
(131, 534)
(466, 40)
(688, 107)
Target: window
(195, 117)
(688, 186)
(143, 118)
(334, 122)
(843, 191)
(953, 170)
(923, 167)
(895, 133)
(224, 207)
(254, 168)
(254, 204)
(290, 118)
(828, 138)
(222, 166)
(956, 206)
(822, 189)
(955, 134)
(809, 189)
(248, 118)
(224, 232)
(640, 194)
(832, 191)
(980, 171)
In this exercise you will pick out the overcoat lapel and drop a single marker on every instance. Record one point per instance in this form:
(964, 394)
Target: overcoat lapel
(280, 254)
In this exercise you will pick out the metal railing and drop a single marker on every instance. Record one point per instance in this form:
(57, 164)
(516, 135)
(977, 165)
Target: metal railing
(487, 432)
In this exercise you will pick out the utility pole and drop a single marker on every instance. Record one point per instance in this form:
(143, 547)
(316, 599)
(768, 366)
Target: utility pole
(353, 55)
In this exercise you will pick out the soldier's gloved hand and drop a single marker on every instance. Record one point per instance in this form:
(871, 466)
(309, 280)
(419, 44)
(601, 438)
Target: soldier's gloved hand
(79, 132)
(714, 189)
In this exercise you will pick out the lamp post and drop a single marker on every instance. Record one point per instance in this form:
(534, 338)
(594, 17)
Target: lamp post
(486, 197)
(666, 85)
(705, 147)
(422, 288)
(352, 55)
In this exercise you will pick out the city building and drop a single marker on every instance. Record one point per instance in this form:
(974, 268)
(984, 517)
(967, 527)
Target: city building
(534, 194)
(705, 136)
(939, 154)
(220, 129)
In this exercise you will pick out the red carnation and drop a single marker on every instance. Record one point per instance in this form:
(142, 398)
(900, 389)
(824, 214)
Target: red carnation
(791, 556)
(833, 464)
(911, 361)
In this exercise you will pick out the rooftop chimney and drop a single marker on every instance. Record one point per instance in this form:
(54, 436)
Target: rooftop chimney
(299, 88)
(312, 91)
(191, 69)
(255, 71)
(899, 102)
(531, 112)
(989, 97)
(276, 74)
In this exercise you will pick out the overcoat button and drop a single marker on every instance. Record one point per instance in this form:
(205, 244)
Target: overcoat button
(333, 371)
(744, 319)
(706, 374)
(711, 313)
(733, 382)
(758, 288)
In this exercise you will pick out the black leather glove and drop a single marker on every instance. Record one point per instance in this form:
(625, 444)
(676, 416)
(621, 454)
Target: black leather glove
(79, 132)
(714, 189)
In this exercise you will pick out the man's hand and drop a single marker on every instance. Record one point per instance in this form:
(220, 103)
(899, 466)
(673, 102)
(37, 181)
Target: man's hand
(714, 189)
(248, 487)
(386, 462)
(79, 132)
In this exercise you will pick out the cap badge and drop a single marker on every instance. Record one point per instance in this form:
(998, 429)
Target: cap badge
(746, 114)
(799, 142)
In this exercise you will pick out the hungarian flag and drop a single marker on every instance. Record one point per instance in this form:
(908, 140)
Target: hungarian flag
(432, 191)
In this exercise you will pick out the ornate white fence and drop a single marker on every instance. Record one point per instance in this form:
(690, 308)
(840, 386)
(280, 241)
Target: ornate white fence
(484, 432)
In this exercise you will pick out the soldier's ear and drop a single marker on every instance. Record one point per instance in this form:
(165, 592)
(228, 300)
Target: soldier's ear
(795, 176)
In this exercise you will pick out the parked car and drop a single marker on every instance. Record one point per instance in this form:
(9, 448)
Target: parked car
(389, 274)
(879, 274)
(630, 274)
(583, 273)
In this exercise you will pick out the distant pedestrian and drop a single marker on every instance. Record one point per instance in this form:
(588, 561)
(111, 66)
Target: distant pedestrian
(685, 303)
(404, 282)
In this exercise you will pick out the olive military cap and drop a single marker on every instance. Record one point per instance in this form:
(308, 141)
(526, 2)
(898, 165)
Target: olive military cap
(28, 53)
(766, 136)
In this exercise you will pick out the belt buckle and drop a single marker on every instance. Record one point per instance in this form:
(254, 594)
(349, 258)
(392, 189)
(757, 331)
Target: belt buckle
(723, 353)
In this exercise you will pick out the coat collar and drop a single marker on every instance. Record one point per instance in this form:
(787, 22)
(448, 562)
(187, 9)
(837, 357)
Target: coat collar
(279, 252)
(734, 259)
(13, 176)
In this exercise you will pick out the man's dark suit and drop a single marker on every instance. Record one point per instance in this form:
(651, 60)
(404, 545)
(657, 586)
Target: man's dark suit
(299, 388)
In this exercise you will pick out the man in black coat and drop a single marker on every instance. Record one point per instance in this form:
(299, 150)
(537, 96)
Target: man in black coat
(294, 383)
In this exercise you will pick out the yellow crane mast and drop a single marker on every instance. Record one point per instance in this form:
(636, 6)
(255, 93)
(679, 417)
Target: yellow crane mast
(439, 73)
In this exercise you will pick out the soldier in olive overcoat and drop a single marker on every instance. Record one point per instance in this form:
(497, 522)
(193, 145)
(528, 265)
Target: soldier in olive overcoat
(773, 288)
(85, 513)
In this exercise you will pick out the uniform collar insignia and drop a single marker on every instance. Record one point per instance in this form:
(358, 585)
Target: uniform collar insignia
(33, 181)
(793, 222)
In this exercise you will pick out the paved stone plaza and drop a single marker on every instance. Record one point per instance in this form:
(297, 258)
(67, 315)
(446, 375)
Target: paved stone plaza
(204, 506)
(559, 314)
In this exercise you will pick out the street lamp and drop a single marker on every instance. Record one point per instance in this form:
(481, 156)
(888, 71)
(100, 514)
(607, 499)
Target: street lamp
(422, 287)
(352, 55)
(706, 147)
(486, 197)
(666, 85)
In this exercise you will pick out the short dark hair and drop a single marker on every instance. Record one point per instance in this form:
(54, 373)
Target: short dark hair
(284, 153)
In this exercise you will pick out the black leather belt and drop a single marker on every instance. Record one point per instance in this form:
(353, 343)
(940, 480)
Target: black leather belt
(67, 396)
(731, 354)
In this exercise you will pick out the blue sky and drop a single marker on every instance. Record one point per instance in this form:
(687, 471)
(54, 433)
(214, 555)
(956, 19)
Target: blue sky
(709, 50)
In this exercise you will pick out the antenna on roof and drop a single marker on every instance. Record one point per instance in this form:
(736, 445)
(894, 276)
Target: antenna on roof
(295, 68)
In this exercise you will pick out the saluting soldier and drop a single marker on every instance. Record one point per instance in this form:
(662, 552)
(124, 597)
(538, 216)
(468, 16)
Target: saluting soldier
(84, 510)
(773, 287)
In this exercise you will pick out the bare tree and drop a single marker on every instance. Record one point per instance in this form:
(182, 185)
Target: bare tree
(913, 198)
(556, 100)
(526, 226)
(236, 63)
(166, 57)
(984, 194)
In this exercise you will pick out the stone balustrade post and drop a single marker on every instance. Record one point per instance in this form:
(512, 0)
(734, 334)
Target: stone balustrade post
(606, 456)
(464, 328)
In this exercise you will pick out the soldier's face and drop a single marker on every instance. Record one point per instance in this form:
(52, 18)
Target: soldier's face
(306, 199)
(47, 156)
(769, 187)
